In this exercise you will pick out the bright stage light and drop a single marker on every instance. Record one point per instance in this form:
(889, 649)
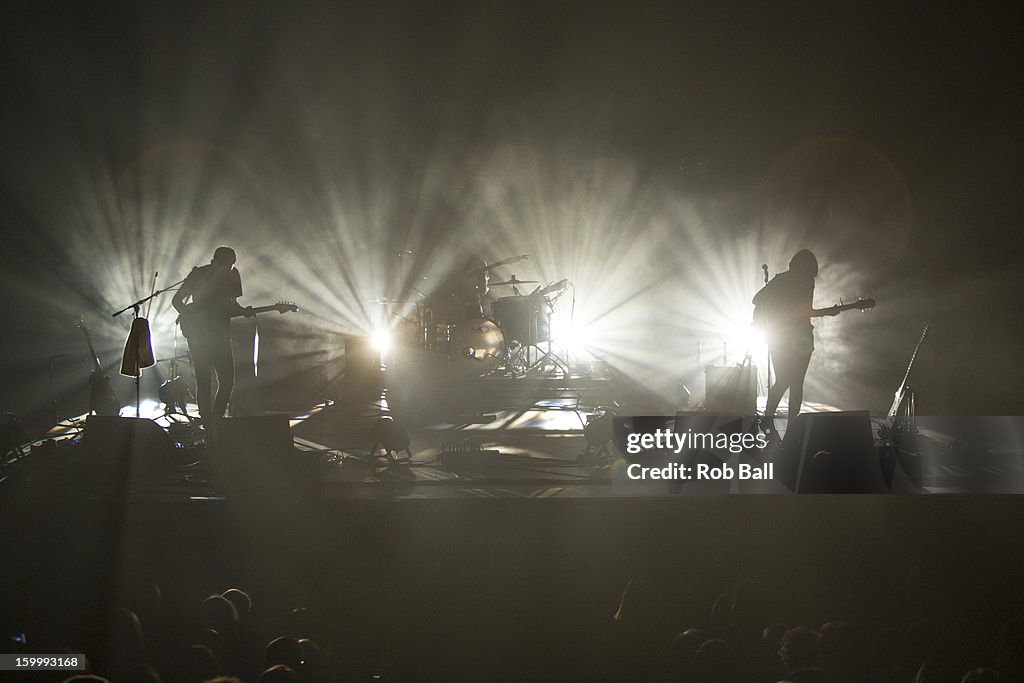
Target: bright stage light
(570, 335)
(381, 340)
(662, 276)
(743, 339)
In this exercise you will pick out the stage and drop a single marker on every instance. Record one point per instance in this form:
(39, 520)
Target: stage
(488, 437)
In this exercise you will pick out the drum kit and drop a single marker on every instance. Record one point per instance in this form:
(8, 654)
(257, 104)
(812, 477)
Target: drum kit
(450, 325)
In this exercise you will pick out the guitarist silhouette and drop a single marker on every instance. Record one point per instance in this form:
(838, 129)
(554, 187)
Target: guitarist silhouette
(784, 308)
(206, 323)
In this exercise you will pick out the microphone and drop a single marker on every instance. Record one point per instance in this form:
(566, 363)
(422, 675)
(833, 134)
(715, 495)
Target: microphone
(556, 287)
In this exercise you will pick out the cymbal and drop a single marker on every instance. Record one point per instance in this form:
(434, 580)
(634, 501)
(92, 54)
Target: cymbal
(503, 262)
(513, 281)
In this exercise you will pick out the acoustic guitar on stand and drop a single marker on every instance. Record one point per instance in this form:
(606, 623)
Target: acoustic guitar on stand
(102, 399)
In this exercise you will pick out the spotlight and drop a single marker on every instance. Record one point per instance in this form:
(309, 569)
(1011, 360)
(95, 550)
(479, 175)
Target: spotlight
(381, 340)
(569, 335)
(744, 339)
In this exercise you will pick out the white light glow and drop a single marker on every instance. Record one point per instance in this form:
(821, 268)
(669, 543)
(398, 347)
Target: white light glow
(570, 336)
(381, 340)
(743, 339)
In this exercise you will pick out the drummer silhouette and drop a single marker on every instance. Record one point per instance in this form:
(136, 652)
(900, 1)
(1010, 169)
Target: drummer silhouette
(462, 295)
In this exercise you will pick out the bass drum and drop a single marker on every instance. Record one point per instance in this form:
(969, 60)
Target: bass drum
(475, 347)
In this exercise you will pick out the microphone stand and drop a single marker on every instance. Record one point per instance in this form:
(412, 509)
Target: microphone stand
(134, 307)
(139, 303)
(768, 365)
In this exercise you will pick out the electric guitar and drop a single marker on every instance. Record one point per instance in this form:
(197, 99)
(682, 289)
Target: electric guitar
(901, 393)
(859, 304)
(191, 319)
(102, 399)
(763, 317)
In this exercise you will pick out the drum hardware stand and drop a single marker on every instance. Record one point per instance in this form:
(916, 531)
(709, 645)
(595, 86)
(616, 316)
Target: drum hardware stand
(544, 356)
(550, 354)
(174, 393)
(517, 360)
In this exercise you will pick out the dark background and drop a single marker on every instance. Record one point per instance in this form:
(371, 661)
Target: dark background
(655, 153)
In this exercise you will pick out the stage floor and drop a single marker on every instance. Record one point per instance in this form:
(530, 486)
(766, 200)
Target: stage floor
(505, 438)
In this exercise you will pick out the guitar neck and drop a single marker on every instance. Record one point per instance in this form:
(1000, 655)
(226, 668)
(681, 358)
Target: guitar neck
(898, 398)
(861, 305)
(92, 351)
(263, 309)
(256, 310)
(822, 312)
(194, 318)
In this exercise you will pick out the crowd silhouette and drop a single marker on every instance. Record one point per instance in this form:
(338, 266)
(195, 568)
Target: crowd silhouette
(937, 625)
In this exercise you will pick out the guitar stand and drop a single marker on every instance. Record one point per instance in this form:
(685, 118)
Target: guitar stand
(901, 423)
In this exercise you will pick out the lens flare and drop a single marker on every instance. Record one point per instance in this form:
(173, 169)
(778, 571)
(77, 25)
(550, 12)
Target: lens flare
(382, 340)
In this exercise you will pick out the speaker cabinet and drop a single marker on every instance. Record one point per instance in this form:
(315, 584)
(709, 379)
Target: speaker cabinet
(257, 455)
(257, 438)
(830, 453)
(125, 449)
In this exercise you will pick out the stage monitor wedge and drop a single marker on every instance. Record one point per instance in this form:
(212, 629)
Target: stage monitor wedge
(257, 456)
(830, 453)
(125, 449)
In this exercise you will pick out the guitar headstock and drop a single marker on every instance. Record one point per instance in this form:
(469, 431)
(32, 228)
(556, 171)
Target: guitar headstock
(286, 307)
(863, 304)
